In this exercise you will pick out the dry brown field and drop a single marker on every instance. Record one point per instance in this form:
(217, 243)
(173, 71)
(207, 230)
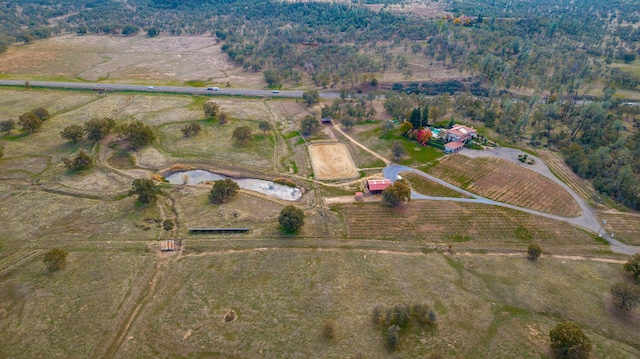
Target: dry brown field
(138, 59)
(332, 161)
(503, 181)
(442, 221)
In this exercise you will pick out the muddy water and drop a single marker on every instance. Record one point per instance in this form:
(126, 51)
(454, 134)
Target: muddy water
(265, 187)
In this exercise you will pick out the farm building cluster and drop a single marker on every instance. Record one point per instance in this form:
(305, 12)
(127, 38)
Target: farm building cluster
(455, 138)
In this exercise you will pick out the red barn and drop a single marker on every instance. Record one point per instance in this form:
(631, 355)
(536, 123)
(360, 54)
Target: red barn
(378, 185)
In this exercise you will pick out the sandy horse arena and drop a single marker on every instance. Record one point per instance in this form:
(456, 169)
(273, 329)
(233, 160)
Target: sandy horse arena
(331, 160)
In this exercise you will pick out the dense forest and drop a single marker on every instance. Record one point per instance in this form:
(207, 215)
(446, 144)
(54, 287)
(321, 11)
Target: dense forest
(560, 51)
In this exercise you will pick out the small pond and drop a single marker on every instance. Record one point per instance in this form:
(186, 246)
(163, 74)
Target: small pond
(265, 187)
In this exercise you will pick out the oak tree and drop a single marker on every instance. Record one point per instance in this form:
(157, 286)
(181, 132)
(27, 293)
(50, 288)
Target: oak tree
(211, 109)
(223, 190)
(311, 97)
(397, 193)
(264, 126)
(98, 128)
(568, 341)
(309, 125)
(137, 134)
(145, 189)
(29, 122)
(242, 134)
(73, 133)
(291, 218)
(625, 295)
(398, 150)
(633, 265)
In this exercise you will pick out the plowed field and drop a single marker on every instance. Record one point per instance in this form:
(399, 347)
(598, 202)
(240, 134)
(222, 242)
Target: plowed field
(582, 187)
(503, 181)
(446, 221)
(428, 187)
(624, 226)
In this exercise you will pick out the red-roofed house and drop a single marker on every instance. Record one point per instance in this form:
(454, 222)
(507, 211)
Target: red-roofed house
(451, 147)
(378, 185)
(461, 133)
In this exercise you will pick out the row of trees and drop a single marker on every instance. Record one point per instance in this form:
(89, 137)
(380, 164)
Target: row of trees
(28, 122)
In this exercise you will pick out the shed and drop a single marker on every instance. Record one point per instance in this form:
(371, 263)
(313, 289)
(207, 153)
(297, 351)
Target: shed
(453, 147)
(168, 245)
(378, 185)
(218, 230)
(359, 196)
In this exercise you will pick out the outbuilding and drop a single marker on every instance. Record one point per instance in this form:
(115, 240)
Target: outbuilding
(378, 185)
(452, 147)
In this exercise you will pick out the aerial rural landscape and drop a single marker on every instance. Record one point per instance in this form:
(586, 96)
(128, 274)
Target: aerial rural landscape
(319, 179)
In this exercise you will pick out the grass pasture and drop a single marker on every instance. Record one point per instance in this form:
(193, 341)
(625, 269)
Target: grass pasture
(67, 314)
(215, 141)
(440, 221)
(427, 187)
(483, 310)
(503, 181)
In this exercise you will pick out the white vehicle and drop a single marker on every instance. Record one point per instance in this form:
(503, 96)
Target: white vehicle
(275, 91)
(150, 87)
(216, 89)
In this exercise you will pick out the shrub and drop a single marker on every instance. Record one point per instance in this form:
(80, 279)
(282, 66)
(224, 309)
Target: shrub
(55, 259)
(7, 125)
(393, 337)
(41, 112)
(534, 251)
(191, 130)
(81, 162)
(329, 330)
(167, 224)
(284, 181)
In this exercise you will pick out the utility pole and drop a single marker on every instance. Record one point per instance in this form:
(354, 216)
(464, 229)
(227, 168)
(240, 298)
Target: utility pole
(603, 223)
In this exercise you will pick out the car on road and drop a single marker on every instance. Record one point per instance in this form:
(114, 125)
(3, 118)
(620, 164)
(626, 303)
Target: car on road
(275, 91)
(150, 87)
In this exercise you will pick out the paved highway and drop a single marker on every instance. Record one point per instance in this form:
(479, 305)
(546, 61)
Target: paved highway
(163, 89)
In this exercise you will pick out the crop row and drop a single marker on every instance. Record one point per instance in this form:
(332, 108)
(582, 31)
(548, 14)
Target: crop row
(624, 226)
(503, 181)
(428, 187)
(442, 221)
(564, 173)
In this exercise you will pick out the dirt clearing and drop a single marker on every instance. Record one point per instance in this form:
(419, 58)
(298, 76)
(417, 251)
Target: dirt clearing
(332, 161)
